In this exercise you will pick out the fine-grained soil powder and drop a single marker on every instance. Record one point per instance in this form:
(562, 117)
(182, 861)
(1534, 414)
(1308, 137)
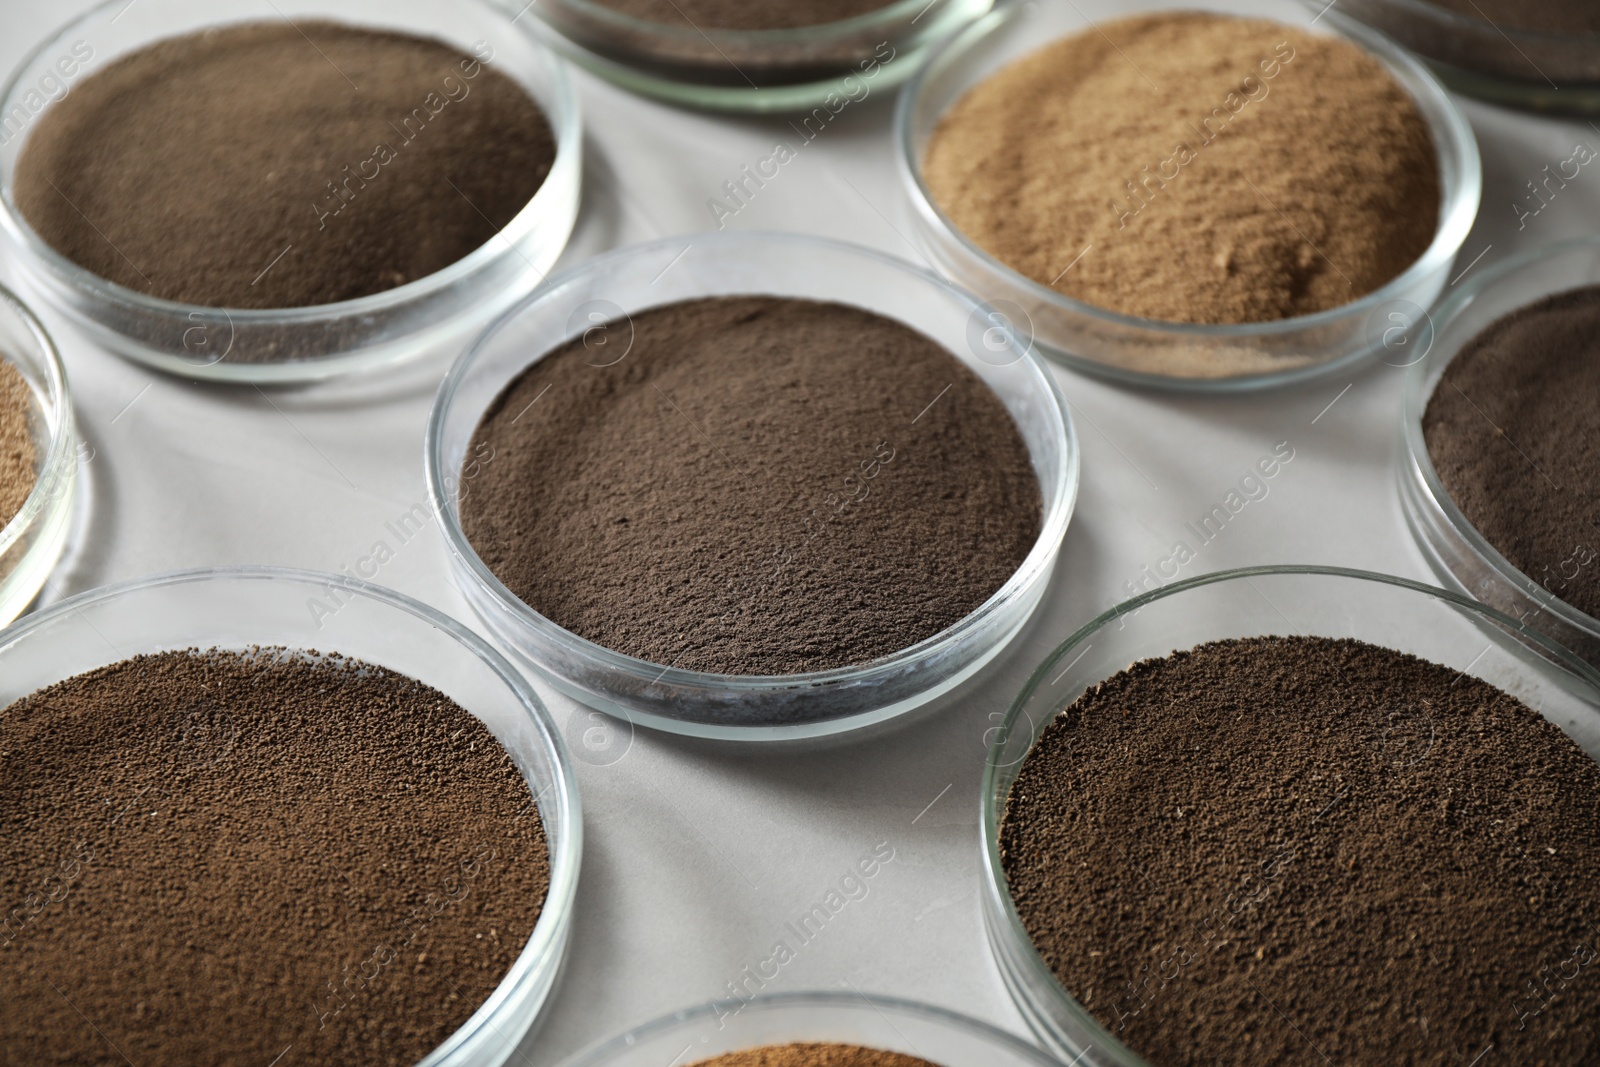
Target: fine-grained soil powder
(756, 486)
(1299, 850)
(812, 1055)
(1192, 167)
(271, 165)
(17, 456)
(744, 15)
(254, 858)
(1513, 430)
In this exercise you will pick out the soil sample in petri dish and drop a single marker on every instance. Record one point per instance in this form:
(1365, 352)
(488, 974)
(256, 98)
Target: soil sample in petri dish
(1550, 44)
(830, 52)
(752, 485)
(1291, 850)
(1192, 167)
(1513, 431)
(254, 857)
(320, 163)
(1546, 16)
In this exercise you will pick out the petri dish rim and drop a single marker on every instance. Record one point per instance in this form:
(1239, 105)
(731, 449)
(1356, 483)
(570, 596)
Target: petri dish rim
(38, 532)
(62, 438)
(604, 1052)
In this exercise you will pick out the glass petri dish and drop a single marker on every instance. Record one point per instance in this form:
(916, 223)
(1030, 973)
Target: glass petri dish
(242, 607)
(307, 343)
(1432, 623)
(885, 1023)
(753, 707)
(754, 70)
(31, 542)
(1533, 69)
(1151, 352)
(1458, 553)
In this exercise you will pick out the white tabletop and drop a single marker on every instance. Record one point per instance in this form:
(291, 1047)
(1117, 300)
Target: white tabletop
(698, 854)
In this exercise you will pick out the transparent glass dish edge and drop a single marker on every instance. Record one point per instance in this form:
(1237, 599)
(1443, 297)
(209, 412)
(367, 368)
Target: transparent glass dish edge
(816, 1016)
(33, 540)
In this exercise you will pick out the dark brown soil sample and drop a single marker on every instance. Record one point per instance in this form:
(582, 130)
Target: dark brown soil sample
(1548, 16)
(1513, 430)
(271, 165)
(758, 486)
(1304, 851)
(254, 859)
(812, 1055)
(744, 15)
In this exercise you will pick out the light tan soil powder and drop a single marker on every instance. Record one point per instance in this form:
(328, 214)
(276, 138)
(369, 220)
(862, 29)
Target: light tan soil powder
(17, 458)
(1193, 167)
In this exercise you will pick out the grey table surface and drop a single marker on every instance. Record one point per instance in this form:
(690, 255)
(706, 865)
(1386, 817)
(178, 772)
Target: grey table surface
(697, 854)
